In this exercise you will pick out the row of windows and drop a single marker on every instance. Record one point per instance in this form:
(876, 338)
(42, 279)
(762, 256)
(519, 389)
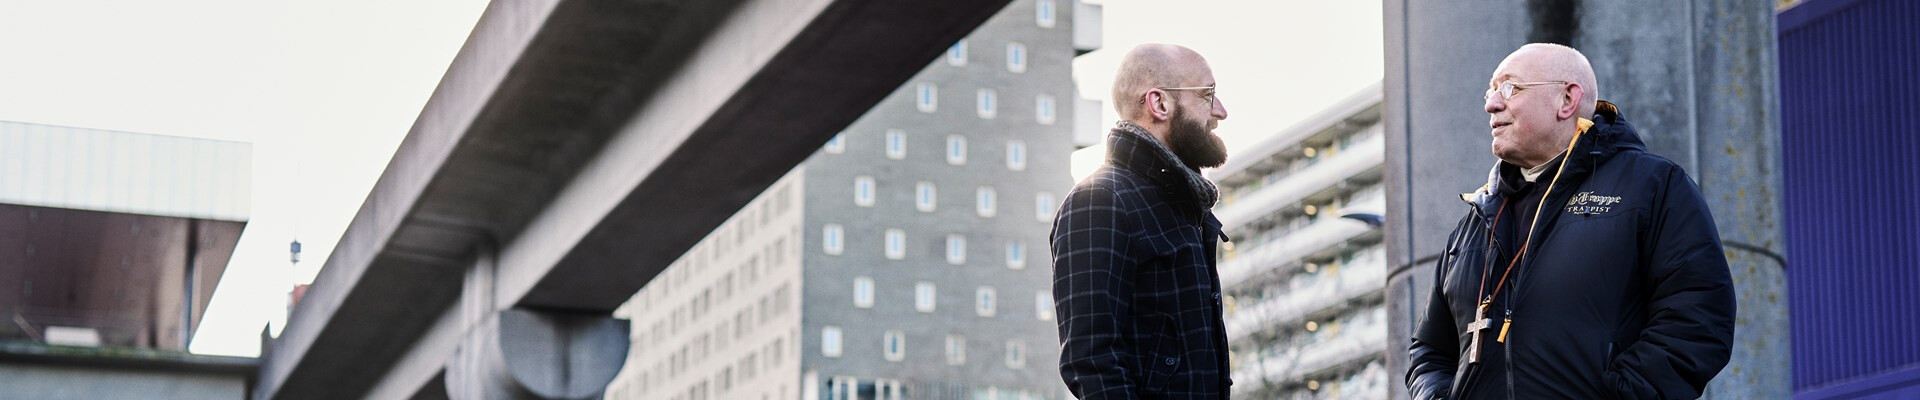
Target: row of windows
(925, 299)
(1016, 55)
(893, 347)
(985, 103)
(777, 201)
(698, 348)
(926, 199)
(894, 247)
(743, 370)
(896, 148)
(735, 281)
(851, 388)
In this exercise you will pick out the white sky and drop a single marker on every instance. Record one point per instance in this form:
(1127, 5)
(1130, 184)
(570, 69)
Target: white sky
(325, 90)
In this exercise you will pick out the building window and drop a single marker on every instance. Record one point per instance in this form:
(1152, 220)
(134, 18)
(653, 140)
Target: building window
(923, 297)
(840, 388)
(983, 301)
(1043, 207)
(830, 341)
(956, 350)
(986, 104)
(1043, 305)
(863, 191)
(889, 389)
(928, 99)
(837, 145)
(956, 149)
(983, 202)
(1016, 255)
(831, 240)
(1016, 155)
(863, 292)
(923, 196)
(1043, 109)
(894, 347)
(896, 244)
(957, 54)
(1016, 354)
(1016, 57)
(896, 144)
(1043, 13)
(956, 249)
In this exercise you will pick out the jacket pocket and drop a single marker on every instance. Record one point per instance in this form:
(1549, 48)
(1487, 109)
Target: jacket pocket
(1163, 353)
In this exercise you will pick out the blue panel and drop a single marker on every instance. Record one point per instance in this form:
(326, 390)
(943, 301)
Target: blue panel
(1850, 127)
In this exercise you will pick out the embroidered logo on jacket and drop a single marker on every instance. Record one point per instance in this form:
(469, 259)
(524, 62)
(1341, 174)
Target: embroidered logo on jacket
(1587, 203)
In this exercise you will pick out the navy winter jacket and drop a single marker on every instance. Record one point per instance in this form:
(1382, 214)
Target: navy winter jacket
(1624, 291)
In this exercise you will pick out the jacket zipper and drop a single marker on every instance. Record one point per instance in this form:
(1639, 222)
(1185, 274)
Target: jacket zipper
(1507, 347)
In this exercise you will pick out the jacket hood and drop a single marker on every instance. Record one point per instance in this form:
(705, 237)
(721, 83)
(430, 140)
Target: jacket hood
(1610, 134)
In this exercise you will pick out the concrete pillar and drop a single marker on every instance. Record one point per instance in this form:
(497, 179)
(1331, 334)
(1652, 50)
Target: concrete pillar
(1696, 77)
(531, 354)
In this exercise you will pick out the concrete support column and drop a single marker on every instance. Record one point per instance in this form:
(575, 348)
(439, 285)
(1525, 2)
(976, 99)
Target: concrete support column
(531, 354)
(1696, 77)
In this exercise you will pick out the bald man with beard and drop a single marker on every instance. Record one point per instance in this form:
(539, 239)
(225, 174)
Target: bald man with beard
(1586, 267)
(1134, 279)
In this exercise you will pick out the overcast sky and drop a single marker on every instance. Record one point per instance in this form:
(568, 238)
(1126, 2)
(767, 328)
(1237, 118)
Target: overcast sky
(325, 90)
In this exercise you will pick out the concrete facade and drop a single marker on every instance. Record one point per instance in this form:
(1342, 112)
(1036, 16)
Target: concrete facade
(1305, 314)
(723, 322)
(1697, 79)
(989, 209)
(125, 172)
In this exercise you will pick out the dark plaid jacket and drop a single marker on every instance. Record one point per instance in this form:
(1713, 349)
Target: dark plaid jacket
(1134, 282)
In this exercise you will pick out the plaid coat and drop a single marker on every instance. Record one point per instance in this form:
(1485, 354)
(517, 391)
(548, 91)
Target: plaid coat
(1134, 279)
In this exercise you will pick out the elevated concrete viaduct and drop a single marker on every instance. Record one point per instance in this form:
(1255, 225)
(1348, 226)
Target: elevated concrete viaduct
(572, 151)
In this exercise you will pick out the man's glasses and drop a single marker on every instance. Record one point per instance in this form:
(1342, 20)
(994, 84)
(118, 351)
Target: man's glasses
(1206, 94)
(1509, 88)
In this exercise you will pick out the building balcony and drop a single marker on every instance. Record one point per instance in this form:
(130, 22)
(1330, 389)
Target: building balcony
(1366, 154)
(1272, 256)
(1363, 276)
(1359, 342)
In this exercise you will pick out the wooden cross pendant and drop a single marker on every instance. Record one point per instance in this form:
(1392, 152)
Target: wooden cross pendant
(1478, 327)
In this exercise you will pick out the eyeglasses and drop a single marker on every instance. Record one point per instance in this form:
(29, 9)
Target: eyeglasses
(1509, 88)
(1206, 95)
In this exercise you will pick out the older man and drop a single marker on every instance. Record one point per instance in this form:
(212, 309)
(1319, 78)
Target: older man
(1585, 268)
(1136, 292)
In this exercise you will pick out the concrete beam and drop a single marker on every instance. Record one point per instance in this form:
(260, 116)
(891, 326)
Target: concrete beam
(770, 89)
(592, 142)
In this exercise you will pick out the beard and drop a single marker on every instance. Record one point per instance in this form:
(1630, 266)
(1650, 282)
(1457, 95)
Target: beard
(1196, 147)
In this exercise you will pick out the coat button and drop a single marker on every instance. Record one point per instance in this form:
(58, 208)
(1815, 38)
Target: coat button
(1216, 295)
(1171, 360)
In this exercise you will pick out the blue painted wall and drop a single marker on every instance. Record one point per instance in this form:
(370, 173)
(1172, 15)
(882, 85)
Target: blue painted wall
(1850, 105)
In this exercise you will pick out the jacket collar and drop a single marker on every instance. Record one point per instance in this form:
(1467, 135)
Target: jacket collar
(1131, 147)
(1609, 134)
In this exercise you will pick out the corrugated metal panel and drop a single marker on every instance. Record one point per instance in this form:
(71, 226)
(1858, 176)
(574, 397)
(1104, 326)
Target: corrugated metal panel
(91, 169)
(1849, 137)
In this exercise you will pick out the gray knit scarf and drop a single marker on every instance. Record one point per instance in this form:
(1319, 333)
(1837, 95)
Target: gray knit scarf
(1204, 191)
